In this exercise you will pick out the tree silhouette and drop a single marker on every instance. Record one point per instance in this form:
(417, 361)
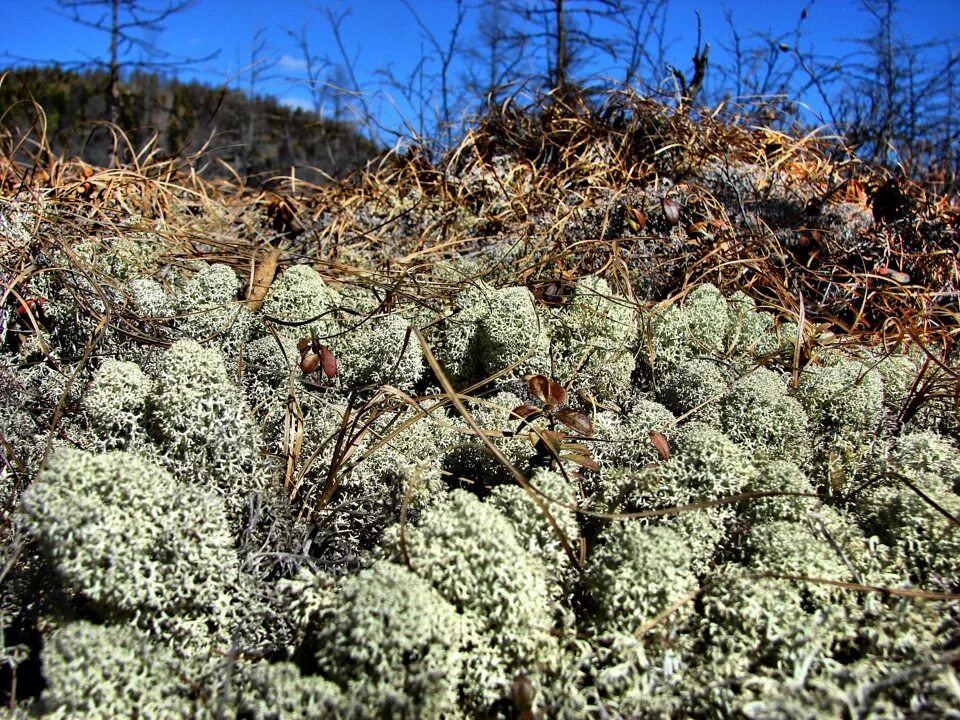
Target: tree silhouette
(129, 25)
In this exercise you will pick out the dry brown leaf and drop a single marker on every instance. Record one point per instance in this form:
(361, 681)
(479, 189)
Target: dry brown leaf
(262, 279)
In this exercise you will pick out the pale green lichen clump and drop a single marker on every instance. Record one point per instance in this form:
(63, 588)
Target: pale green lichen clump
(387, 639)
(491, 329)
(116, 403)
(919, 524)
(596, 334)
(208, 311)
(469, 552)
(94, 671)
(430, 584)
(202, 426)
(637, 573)
(760, 415)
(301, 296)
(706, 324)
(138, 544)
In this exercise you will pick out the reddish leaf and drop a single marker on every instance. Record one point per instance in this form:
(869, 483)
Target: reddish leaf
(302, 345)
(636, 219)
(661, 444)
(557, 393)
(309, 362)
(30, 304)
(329, 362)
(576, 421)
(540, 387)
(584, 460)
(576, 448)
(671, 210)
(524, 411)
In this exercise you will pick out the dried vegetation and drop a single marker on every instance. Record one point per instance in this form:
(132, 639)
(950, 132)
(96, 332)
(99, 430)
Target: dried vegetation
(709, 370)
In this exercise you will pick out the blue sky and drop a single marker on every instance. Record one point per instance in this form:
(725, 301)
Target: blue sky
(383, 34)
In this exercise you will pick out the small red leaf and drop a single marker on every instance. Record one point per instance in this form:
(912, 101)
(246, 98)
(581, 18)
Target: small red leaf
(661, 444)
(557, 393)
(576, 421)
(329, 362)
(302, 345)
(671, 210)
(309, 362)
(523, 411)
(584, 460)
(30, 304)
(540, 386)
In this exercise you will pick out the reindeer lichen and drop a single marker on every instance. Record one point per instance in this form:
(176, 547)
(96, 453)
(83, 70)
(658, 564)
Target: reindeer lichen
(470, 553)
(138, 544)
(636, 573)
(387, 639)
(102, 671)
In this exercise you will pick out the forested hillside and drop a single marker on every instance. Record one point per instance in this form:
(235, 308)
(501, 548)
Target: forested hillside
(256, 137)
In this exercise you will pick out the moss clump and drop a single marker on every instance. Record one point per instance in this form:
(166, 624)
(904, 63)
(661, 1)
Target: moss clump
(97, 671)
(779, 476)
(279, 691)
(623, 439)
(378, 351)
(618, 675)
(533, 529)
(140, 545)
(491, 329)
(698, 327)
(388, 639)
(902, 518)
(842, 398)
(594, 339)
(150, 299)
(637, 573)
(753, 630)
(798, 549)
(708, 325)
(749, 332)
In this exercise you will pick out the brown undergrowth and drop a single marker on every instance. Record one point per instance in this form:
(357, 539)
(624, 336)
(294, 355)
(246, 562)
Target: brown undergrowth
(654, 201)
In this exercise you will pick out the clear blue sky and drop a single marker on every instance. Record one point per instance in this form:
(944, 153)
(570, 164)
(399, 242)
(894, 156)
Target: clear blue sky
(383, 34)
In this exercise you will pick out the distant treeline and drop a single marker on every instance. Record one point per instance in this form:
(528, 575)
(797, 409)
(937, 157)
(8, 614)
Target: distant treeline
(255, 136)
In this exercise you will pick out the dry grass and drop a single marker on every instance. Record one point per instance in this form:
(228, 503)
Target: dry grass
(538, 196)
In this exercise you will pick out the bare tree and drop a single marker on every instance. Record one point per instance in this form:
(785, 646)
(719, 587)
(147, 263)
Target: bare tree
(444, 52)
(562, 33)
(313, 66)
(644, 52)
(346, 71)
(258, 67)
(129, 25)
(496, 59)
(898, 105)
(768, 76)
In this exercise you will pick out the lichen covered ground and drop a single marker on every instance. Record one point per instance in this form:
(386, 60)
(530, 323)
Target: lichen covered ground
(588, 494)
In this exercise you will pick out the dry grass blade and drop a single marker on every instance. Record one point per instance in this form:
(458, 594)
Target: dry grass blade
(262, 279)
(689, 507)
(923, 595)
(493, 449)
